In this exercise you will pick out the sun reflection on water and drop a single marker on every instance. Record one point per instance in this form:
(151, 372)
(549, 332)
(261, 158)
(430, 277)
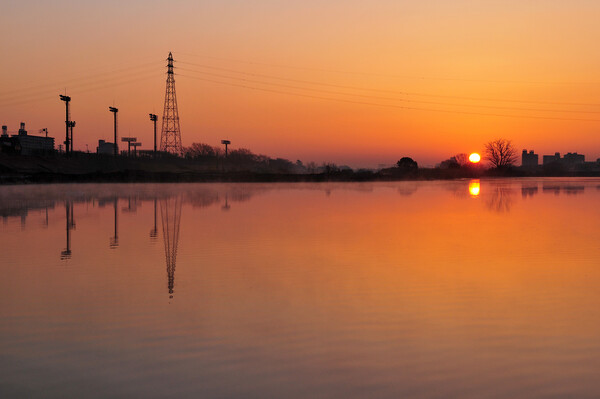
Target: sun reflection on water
(474, 187)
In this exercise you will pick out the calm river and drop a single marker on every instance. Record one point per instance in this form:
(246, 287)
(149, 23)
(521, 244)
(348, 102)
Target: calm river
(462, 289)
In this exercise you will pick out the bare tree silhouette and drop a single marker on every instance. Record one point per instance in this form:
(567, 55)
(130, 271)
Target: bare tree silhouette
(500, 153)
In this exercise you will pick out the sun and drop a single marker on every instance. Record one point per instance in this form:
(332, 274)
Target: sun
(474, 158)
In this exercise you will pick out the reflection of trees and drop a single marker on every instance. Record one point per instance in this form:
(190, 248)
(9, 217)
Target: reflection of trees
(132, 204)
(17, 201)
(170, 212)
(203, 198)
(407, 188)
(500, 198)
(239, 195)
(207, 197)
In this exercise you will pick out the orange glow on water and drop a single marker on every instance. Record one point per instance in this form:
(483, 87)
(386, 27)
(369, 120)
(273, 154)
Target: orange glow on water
(272, 270)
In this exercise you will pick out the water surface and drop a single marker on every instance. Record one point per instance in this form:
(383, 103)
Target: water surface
(470, 289)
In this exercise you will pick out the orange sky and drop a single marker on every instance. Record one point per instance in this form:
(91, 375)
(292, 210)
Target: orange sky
(312, 80)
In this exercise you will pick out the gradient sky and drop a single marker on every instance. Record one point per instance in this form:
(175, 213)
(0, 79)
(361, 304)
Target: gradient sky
(312, 80)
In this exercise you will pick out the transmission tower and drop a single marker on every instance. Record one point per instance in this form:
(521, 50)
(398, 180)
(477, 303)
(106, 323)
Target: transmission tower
(170, 136)
(170, 212)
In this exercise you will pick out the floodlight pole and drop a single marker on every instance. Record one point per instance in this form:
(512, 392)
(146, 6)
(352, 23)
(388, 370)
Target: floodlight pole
(114, 111)
(72, 125)
(153, 119)
(67, 100)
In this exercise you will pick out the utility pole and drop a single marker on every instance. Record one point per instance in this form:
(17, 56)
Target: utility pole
(153, 118)
(114, 111)
(67, 100)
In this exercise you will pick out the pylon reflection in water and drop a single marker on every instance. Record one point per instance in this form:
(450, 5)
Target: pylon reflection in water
(170, 212)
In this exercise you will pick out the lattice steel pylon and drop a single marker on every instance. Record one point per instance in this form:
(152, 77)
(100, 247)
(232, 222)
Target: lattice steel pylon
(170, 212)
(170, 135)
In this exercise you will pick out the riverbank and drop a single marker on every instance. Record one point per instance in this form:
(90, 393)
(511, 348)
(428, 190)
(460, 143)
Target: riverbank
(82, 167)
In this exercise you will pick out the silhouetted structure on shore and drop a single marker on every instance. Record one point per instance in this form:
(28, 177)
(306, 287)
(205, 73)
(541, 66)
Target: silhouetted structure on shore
(569, 159)
(571, 162)
(170, 137)
(116, 146)
(105, 147)
(67, 143)
(530, 160)
(25, 144)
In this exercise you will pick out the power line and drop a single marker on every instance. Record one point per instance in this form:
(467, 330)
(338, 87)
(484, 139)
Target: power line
(336, 71)
(94, 87)
(393, 98)
(390, 105)
(131, 70)
(389, 91)
(93, 71)
(88, 81)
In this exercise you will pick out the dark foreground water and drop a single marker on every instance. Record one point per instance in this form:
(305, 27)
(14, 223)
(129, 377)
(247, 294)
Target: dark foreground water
(461, 289)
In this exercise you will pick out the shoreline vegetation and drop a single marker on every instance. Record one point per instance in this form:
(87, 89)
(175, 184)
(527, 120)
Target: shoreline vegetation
(88, 167)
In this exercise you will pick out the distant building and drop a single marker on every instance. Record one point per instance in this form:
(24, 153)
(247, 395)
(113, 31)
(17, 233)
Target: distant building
(548, 159)
(529, 160)
(8, 144)
(571, 161)
(105, 147)
(574, 158)
(25, 144)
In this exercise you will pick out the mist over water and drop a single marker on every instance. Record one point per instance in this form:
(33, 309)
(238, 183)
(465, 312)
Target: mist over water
(471, 289)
